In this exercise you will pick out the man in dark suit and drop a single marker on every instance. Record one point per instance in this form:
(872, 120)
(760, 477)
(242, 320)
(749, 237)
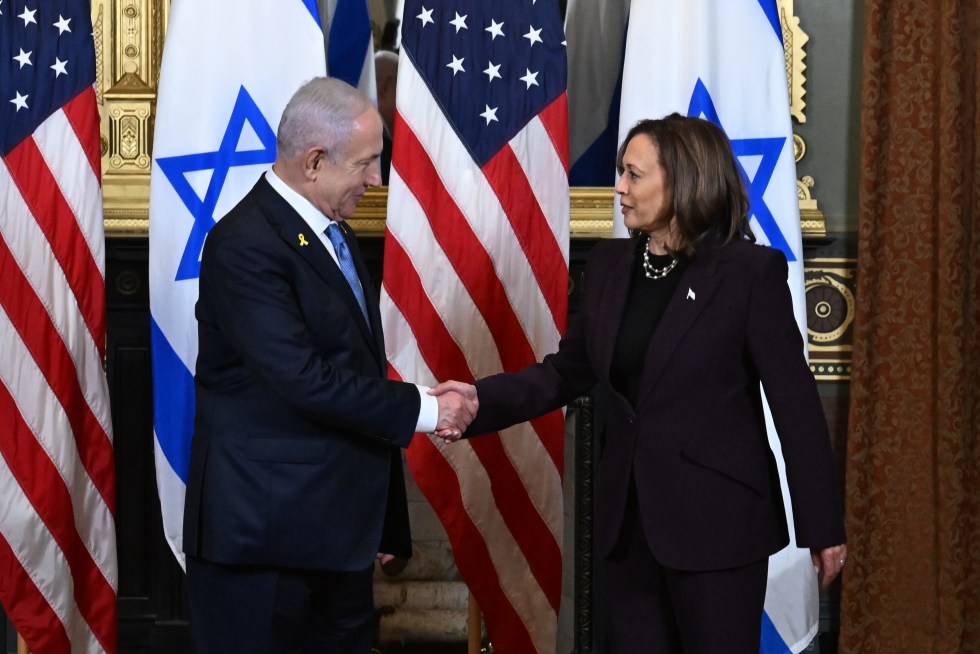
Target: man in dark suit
(295, 482)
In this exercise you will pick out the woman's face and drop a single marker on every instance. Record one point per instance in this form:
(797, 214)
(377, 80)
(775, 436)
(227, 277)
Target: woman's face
(646, 200)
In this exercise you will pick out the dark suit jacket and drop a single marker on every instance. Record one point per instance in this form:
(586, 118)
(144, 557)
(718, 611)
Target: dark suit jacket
(696, 441)
(295, 460)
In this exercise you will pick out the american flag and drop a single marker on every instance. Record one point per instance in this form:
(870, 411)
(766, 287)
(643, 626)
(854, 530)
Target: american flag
(57, 533)
(476, 278)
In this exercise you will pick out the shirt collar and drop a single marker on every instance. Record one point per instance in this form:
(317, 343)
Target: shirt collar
(310, 214)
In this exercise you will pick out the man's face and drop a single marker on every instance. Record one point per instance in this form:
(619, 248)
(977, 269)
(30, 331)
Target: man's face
(340, 186)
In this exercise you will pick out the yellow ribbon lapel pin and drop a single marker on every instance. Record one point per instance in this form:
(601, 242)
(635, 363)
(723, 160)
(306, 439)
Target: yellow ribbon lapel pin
(302, 240)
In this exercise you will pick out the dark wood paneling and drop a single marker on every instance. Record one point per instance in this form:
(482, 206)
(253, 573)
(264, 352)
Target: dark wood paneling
(152, 617)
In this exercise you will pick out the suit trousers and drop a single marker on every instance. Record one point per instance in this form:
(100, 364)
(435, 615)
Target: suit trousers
(652, 608)
(260, 610)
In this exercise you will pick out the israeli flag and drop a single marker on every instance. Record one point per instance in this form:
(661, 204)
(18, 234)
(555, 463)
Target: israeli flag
(596, 34)
(724, 61)
(350, 45)
(229, 67)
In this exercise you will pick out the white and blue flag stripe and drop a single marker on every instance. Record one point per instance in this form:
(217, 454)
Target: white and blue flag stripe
(350, 44)
(217, 114)
(724, 61)
(596, 35)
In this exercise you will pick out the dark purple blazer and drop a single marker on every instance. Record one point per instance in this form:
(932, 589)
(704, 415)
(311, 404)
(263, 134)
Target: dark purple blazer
(696, 442)
(295, 460)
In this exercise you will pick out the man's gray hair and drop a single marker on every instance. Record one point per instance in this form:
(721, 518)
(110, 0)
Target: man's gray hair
(320, 113)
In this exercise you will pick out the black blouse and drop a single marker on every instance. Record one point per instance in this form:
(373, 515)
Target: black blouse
(645, 305)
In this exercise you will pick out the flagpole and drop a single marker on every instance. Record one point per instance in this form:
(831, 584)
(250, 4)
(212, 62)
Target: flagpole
(22, 645)
(474, 623)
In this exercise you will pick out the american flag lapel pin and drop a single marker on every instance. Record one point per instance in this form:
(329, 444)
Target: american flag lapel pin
(690, 294)
(302, 240)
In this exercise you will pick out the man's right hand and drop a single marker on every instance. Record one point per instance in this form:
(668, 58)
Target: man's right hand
(458, 404)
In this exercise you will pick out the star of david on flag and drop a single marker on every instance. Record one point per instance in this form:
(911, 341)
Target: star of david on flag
(220, 162)
(768, 149)
(723, 61)
(219, 106)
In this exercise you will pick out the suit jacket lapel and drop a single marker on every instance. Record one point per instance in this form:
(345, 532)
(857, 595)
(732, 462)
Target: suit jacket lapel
(698, 283)
(295, 232)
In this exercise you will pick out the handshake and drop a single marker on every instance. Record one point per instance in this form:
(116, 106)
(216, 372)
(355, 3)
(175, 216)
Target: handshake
(458, 405)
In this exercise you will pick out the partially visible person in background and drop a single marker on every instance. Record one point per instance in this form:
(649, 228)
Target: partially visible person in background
(389, 35)
(386, 77)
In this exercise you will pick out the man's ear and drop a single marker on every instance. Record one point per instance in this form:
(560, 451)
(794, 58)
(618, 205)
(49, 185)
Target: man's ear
(313, 160)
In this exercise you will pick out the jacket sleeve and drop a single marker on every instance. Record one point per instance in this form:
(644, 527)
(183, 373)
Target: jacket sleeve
(776, 349)
(509, 398)
(249, 301)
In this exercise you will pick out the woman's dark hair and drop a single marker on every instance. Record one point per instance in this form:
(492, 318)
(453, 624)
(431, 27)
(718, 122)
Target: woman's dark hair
(709, 195)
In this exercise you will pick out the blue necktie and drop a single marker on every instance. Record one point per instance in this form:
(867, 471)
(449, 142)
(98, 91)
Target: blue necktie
(347, 266)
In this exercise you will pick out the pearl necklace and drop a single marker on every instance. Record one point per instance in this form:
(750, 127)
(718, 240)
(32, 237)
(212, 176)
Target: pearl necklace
(649, 270)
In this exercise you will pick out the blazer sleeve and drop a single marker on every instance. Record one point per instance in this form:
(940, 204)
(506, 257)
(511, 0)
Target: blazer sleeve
(510, 398)
(776, 350)
(247, 279)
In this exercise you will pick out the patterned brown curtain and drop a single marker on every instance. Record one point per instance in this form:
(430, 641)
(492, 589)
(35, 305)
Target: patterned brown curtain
(912, 582)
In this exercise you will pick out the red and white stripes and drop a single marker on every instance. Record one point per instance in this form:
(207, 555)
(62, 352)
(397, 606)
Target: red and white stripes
(57, 533)
(476, 273)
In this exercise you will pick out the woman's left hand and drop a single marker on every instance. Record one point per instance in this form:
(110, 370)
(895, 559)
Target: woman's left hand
(829, 563)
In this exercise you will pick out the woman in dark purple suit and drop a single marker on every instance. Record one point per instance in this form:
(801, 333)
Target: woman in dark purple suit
(679, 328)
